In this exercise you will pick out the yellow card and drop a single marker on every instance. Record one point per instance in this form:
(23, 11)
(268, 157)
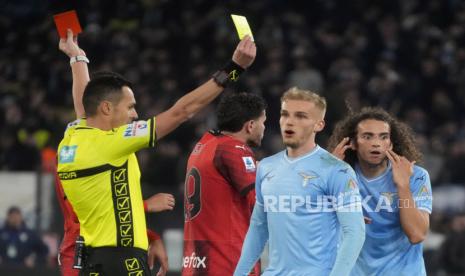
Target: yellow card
(242, 26)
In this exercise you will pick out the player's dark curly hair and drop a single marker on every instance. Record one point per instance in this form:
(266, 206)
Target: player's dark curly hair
(103, 86)
(402, 136)
(236, 109)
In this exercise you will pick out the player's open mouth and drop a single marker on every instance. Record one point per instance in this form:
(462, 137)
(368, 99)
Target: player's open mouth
(288, 132)
(375, 153)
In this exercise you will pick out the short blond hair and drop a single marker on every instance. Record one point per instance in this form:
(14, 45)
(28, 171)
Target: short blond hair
(295, 93)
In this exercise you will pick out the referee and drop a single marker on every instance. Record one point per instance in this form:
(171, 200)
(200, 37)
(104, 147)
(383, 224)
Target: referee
(99, 170)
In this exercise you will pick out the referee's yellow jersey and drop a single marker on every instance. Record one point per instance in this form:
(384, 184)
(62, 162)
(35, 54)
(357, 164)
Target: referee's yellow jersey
(101, 179)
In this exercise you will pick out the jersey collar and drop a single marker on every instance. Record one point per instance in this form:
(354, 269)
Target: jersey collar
(359, 172)
(293, 160)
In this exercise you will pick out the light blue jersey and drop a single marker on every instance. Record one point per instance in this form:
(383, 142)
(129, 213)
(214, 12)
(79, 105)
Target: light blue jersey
(387, 250)
(302, 204)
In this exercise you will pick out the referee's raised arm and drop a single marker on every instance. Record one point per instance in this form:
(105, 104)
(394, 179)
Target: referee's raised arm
(188, 105)
(78, 63)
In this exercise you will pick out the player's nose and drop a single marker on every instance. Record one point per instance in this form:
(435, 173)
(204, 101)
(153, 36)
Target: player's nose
(289, 121)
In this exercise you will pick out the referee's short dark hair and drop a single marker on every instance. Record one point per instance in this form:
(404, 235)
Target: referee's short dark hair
(103, 86)
(236, 109)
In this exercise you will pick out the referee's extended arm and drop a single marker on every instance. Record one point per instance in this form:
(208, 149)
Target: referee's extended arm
(187, 106)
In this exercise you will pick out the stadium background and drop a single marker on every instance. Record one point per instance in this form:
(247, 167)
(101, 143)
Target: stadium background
(406, 56)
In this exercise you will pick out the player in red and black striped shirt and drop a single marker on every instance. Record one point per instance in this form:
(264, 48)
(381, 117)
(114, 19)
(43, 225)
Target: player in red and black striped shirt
(220, 188)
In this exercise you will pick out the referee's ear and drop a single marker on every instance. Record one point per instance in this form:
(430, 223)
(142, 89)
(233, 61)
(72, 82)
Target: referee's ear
(105, 108)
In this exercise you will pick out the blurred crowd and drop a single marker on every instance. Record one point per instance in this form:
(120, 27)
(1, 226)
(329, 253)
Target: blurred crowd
(406, 56)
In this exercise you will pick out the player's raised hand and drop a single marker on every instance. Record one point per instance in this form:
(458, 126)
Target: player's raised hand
(160, 202)
(245, 52)
(402, 169)
(340, 150)
(69, 45)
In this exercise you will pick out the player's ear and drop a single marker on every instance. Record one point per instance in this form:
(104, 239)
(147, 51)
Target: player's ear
(352, 143)
(319, 125)
(249, 126)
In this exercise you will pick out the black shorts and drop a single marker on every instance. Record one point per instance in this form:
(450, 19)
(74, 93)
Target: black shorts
(115, 261)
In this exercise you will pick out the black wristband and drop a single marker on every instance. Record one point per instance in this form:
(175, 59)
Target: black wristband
(229, 73)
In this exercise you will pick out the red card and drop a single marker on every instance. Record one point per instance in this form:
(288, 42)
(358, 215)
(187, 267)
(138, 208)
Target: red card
(67, 20)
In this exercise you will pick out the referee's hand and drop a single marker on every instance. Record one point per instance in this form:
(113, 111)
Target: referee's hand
(160, 202)
(245, 52)
(69, 45)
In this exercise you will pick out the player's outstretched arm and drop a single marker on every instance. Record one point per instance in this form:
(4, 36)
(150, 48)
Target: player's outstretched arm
(79, 69)
(187, 106)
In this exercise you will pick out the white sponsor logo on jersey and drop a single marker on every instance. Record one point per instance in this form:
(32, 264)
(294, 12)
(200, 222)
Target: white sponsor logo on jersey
(194, 261)
(136, 129)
